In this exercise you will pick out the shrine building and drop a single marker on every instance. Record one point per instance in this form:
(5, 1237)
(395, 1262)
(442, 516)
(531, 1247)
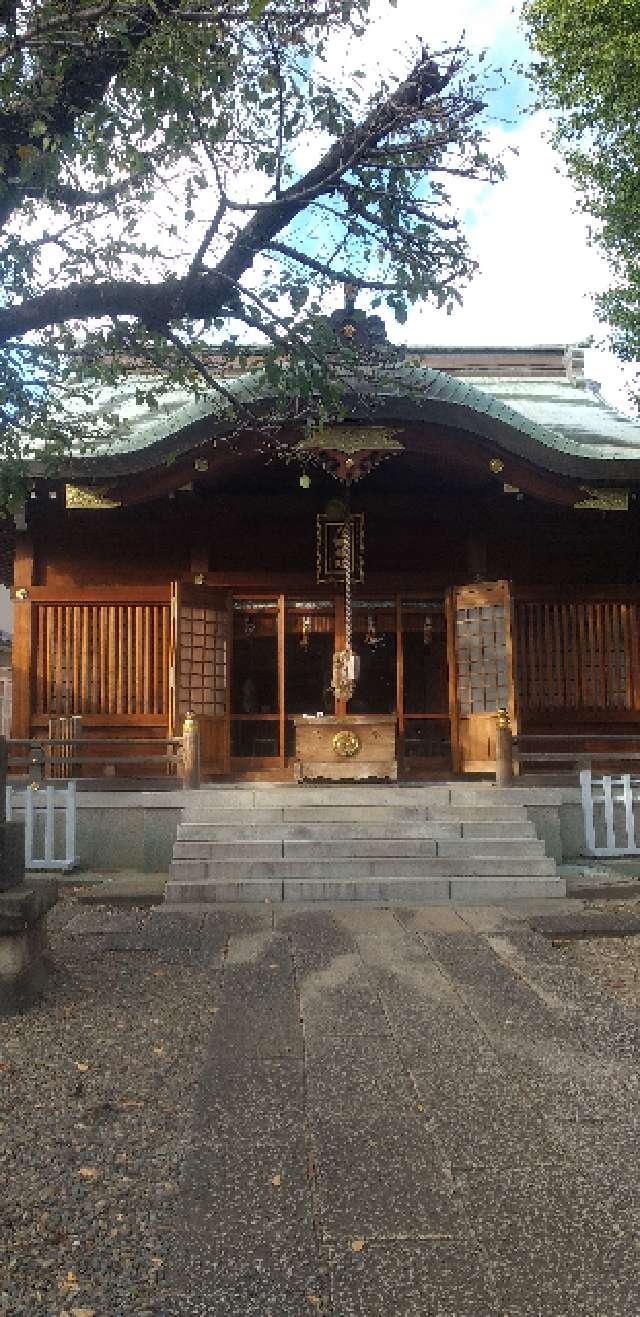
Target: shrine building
(464, 538)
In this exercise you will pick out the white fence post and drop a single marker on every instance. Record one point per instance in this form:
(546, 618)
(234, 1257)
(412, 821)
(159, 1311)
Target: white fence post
(586, 788)
(46, 803)
(606, 786)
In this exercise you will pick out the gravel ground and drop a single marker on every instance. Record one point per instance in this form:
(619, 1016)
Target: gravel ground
(94, 1090)
(99, 1086)
(613, 961)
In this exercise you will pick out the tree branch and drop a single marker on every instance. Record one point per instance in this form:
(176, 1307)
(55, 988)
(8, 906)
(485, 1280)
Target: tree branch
(208, 295)
(338, 276)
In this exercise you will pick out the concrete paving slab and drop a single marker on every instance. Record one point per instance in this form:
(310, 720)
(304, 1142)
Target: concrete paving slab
(391, 1122)
(414, 1278)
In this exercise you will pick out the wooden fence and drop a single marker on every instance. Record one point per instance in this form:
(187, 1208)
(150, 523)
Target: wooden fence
(101, 659)
(574, 656)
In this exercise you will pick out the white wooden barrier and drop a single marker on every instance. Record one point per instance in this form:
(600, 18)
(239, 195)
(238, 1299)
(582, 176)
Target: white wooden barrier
(43, 802)
(607, 791)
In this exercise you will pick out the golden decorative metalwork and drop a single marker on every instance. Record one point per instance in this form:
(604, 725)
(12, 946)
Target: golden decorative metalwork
(330, 547)
(351, 439)
(503, 718)
(496, 466)
(604, 500)
(89, 496)
(190, 723)
(345, 744)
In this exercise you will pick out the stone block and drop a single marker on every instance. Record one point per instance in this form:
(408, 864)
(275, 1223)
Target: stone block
(23, 906)
(23, 943)
(477, 890)
(206, 892)
(384, 890)
(11, 854)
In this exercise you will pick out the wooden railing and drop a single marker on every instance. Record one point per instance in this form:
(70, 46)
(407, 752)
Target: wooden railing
(575, 749)
(68, 757)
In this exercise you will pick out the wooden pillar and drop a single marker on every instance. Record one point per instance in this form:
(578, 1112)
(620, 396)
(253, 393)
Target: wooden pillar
(400, 681)
(282, 640)
(22, 650)
(476, 556)
(190, 753)
(504, 750)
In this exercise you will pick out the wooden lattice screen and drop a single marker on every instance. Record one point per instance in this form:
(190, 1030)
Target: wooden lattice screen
(203, 660)
(481, 659)
(101, 659)
(581, 655)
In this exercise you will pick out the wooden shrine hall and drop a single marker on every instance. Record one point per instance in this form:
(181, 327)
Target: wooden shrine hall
(357, 601)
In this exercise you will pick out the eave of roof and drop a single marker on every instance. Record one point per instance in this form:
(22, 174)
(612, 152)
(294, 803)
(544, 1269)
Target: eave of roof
(549, 420)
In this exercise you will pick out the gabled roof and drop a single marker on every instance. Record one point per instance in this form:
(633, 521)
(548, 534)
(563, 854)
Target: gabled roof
(529, 402)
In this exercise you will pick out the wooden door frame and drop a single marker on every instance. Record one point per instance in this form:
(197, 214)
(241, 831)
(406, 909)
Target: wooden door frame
(187, 593)
(502, 591)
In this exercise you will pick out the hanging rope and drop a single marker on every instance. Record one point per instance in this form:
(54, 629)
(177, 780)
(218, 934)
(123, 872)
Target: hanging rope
(346, 556)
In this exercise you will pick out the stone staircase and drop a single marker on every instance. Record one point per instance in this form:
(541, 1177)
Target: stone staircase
(375, 843)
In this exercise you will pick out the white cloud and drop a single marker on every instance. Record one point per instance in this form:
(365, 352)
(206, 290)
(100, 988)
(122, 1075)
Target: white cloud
(537, 271)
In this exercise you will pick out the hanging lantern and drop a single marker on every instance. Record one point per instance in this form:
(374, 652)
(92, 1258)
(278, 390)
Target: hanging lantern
(306, 632)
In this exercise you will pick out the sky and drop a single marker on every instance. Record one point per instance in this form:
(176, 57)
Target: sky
(537, 272)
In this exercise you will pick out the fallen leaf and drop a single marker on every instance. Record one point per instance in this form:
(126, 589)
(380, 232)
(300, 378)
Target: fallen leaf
(419, 1107)
(357, 1245)
(83, 1312)
(314, 1299)
(82, 1066)
(88, 1173)
(276, 1180)
(158, 1051)
(69, 1285)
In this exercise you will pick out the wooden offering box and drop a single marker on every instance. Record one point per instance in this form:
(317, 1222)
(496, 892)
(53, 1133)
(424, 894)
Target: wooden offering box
(346, 749)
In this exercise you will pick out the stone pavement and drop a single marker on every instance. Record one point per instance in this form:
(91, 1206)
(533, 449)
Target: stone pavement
(403, 1113)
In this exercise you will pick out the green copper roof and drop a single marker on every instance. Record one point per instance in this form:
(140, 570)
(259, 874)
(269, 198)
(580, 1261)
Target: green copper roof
(552, 421)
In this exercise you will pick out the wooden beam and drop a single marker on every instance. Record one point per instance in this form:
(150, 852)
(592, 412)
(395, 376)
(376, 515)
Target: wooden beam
(22, 649)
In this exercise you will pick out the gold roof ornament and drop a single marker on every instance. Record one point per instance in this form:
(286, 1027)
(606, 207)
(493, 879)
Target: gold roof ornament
(604, 500)
(351, 451)
(89, 496)
(351, 439)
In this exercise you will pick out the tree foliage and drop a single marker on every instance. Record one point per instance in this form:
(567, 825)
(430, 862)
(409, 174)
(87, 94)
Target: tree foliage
(178, 171)
(588, 73)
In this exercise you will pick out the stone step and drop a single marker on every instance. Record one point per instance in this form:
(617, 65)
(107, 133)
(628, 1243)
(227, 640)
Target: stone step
(466, 845)
(353, 848)
(399, 867)
(320, 830)
(388, 891)
(305, 814)
(354, 814)
(268, 794)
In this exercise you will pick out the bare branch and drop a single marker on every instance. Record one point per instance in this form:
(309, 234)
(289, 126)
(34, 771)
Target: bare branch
(210, 234)
(202, 370)
(338, 276)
